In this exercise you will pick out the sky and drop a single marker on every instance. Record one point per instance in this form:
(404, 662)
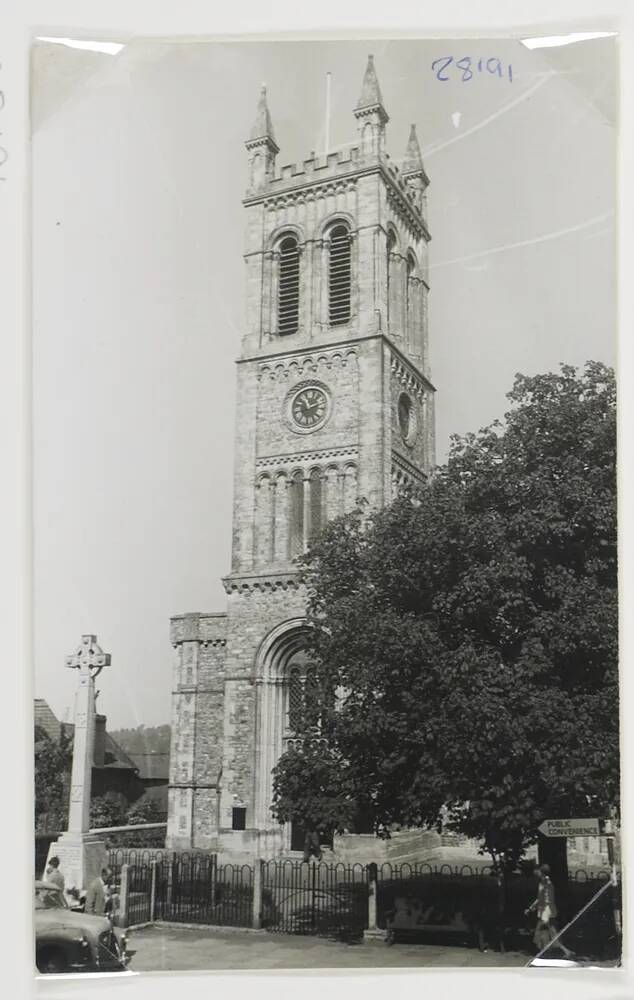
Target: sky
(139, 169)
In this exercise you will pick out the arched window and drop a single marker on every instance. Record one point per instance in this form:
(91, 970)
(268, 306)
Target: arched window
(288, 289)
(411, 300)
(349, 488)
(411, 266)
(391, 246)
(295, 699)
(296, 514)
(315, 505)
(304, 698)
(339, 284)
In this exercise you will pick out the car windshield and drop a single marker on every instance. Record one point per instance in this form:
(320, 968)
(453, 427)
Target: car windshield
(49, 899)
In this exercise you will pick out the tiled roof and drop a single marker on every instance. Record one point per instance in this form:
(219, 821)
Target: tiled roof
(114, 756)
(152, 766)
(46, 720)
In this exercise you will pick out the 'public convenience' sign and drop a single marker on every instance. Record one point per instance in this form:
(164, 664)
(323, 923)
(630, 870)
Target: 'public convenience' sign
(570, 828)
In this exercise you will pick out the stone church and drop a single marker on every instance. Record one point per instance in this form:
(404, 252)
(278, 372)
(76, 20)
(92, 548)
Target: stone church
(334, 403)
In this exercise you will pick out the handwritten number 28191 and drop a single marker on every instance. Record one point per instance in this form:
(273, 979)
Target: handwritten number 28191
(466, 68)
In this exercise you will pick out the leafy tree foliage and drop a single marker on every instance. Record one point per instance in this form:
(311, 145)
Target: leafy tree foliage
(107, 810)
(52, 764)
(112, 809)
(466, 641)
(143, 811)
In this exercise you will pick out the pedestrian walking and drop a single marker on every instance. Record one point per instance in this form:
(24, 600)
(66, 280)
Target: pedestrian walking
(546, 908)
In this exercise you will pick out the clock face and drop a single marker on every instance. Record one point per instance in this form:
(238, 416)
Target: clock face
(309, 408)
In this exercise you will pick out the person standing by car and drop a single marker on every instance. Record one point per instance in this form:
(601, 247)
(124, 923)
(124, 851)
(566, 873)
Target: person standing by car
(98, 893)
(546, 908)
(53, 874)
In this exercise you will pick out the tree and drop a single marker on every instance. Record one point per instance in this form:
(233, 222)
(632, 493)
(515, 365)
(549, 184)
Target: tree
(471, 633)
(107, 810)
(52, 766)
(146, 810)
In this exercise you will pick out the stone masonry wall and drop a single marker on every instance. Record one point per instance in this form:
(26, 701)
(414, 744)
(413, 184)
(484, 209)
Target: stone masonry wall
(197, 728)
(253, 612)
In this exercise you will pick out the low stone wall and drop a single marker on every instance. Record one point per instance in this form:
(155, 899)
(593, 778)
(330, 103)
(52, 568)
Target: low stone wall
(402, 847)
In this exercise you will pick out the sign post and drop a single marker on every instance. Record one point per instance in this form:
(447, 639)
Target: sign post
(611, 836)
(570, 828)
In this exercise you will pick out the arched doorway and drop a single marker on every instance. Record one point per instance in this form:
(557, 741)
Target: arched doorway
(281, 667)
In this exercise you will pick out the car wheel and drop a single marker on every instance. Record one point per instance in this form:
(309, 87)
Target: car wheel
(51, 962)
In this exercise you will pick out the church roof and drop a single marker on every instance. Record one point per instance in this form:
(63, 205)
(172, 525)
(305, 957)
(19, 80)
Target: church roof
(370, 90)
(262, 126)
(413, 161)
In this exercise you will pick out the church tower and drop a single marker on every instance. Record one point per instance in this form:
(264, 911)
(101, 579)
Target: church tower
(334, 404)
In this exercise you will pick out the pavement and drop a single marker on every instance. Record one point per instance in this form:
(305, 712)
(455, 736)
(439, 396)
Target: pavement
(166, 947)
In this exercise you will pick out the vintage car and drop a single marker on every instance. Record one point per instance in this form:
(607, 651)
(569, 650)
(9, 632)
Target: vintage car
(68, 941)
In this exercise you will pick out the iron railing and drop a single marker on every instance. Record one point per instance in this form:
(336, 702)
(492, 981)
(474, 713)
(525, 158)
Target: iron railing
(329, 900)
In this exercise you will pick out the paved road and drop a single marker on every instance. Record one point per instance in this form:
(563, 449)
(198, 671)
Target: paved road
(162, 948)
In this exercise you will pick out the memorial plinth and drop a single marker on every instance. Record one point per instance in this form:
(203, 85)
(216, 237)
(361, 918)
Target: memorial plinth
(81, 854)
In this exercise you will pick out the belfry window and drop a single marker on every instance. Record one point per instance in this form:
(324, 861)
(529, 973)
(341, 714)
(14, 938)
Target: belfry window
(288, 293)
(339, 278)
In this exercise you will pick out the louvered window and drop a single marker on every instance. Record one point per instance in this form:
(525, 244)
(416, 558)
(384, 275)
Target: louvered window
(339, 276)
(288, 298)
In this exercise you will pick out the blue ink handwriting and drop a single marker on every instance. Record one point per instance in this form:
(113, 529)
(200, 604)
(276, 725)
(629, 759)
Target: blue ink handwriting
(464, 69)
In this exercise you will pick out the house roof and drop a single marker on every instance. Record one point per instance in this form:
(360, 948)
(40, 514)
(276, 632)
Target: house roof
(152, 766)
(46, 720)
(114, 756)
